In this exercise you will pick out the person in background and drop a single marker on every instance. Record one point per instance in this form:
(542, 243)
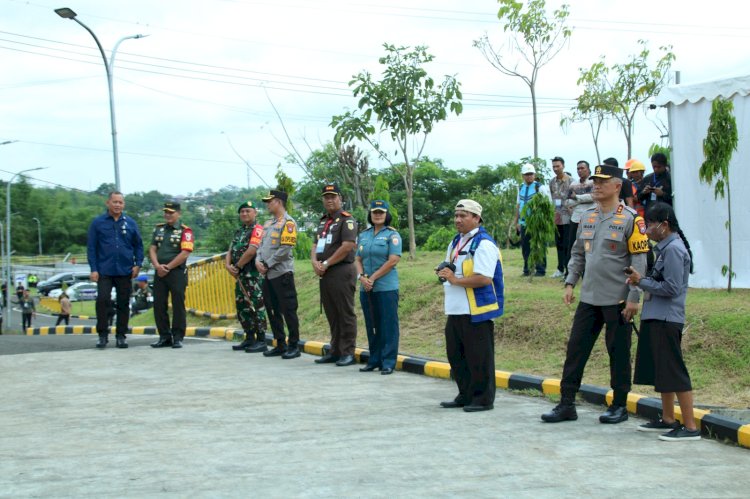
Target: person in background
(378, 253)
(626, 191)
(657, 186)
(143, 298)
(65, 308)
(559, 186)
(635, 170)
(28, 310)
(659, 359)
(579, 200)
(527, 190)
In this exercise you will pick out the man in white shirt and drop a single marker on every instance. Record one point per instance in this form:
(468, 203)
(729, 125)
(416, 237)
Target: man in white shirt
(472, 276)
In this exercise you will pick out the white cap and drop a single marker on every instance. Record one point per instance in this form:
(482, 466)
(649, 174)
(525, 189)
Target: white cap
(470, 206)
(527, 168)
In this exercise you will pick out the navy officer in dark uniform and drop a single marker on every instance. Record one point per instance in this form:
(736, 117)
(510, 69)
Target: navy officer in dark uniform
(333, 261)
(171, 244)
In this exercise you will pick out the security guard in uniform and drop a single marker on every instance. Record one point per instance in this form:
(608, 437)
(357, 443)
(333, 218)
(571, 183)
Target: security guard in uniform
(611, 237)
(248, 288)
(333, 261)
(276, 262)
(171, 244)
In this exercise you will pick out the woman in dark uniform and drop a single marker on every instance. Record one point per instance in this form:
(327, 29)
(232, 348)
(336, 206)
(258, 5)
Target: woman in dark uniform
(659, 359)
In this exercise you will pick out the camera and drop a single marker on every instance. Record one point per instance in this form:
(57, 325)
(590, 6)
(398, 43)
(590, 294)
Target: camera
(444, 265)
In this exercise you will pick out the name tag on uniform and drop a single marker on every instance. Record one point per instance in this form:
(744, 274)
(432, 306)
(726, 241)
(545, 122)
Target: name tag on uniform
(558, 202)
(653, 196)
(329, 238)
(320, 246)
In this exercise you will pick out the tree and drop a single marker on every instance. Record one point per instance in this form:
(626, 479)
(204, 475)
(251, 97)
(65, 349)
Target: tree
(354, 168)
(286, 184)
(381, 191)
(540, 225)
(622, 89)
(592, 106)
(406, 103)
(536, 37)
(718, 146)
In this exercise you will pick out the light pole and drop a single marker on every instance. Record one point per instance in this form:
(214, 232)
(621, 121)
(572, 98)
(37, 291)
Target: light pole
(39, 231)
(67, 13)
(9, 311)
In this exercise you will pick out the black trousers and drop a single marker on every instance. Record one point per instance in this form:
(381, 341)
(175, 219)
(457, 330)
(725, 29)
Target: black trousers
(25, 321)
(280, 298)
(173, 284)
(526, 251)
(587, 324)
(63, 318)
(562, 235)
(337, 293)
(471, 353)
(122, 285)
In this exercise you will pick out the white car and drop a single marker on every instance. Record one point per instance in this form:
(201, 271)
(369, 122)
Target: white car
(82, 291)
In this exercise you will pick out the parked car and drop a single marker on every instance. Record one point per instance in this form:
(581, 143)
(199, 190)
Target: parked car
(81, 291)
(57, 280)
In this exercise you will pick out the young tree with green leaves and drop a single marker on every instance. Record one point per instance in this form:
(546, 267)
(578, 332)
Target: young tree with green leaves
(407, 103)
(718, 147)
(535, 36)
(381, 190)
(622, 89)
(540, 225)
(592, 107)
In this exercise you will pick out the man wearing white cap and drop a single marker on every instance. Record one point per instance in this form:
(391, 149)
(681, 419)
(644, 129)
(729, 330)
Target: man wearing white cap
(472, 276)
(530, 188)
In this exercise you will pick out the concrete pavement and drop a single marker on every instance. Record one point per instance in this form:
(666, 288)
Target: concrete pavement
(206, 421)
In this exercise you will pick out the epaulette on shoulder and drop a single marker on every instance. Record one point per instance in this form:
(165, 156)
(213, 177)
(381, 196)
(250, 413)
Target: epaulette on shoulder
(346, 213)
(592, 208)
(161, 224)
(630, 210)
(183, 226)
(393, 228)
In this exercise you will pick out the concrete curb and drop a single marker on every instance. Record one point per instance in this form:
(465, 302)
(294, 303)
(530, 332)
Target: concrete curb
(712, 426)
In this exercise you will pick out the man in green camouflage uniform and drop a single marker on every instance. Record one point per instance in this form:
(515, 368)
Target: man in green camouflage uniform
(240, 263)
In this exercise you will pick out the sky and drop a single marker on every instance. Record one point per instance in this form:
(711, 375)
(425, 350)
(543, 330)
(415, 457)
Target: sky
(193, 99)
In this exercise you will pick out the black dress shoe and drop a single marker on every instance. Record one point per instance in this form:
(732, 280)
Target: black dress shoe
(258, 346)
(291, 353)
(102, 343)
(478, 408)
(177, 343)
(243, 345)
(561, 412)
(387, 370)
(346, 360)
(162, 343)
(451, 404)
(120, 343)
(275, 352)
(327, 359)
(367, 369)
(614, 414)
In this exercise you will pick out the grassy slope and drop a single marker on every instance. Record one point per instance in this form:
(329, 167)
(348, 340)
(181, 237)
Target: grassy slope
(532, 334)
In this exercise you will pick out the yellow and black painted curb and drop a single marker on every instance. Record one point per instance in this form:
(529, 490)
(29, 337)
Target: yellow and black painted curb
(213, 317)
(713, 426)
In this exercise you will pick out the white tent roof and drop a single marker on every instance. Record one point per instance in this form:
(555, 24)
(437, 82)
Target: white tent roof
(709, 90)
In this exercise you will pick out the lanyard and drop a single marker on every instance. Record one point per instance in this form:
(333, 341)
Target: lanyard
(460, 248)
(325, 229)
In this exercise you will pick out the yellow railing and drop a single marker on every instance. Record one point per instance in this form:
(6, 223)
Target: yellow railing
(210, 288)
(47, 259)
(51, 304)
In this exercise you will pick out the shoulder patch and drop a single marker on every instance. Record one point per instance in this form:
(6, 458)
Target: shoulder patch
(346, 213)
(638, 241)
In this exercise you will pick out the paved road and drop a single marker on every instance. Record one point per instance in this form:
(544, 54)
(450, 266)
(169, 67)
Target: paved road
(208, 422)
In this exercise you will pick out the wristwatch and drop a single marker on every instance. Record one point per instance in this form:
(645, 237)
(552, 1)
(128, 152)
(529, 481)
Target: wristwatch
(325, 263)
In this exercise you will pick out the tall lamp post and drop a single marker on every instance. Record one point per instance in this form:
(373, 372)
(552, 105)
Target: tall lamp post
(67, 13)
(39, 232)
(9, 311)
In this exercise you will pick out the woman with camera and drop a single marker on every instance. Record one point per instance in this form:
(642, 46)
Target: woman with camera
(378, 253)
(659, 359)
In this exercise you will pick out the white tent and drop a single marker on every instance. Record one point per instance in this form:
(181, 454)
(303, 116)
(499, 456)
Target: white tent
(701, 217)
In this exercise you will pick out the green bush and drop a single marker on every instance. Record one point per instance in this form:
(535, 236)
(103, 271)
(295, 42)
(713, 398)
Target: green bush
(439, 239)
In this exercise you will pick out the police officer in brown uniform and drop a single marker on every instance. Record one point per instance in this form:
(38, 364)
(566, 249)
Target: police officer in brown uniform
(333, 261)
(171, 244)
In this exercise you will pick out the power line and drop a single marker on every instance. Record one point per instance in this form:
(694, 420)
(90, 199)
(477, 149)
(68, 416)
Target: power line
(47, 181)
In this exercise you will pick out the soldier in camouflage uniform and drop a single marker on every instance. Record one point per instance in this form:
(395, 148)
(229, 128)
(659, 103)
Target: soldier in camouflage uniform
(240, 263)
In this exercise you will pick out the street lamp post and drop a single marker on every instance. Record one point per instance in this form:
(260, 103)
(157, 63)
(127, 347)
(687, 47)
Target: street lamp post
(9, 311)
(39, 232)
(67, 13)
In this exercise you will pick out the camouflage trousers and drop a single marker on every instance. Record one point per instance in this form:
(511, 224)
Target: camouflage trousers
(251, 311)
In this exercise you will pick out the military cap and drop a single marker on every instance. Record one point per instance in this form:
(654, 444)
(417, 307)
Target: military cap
(379, 205)
(607, 171)
(171, 206)
(246, 204)
(274, 194)
(331, 189)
